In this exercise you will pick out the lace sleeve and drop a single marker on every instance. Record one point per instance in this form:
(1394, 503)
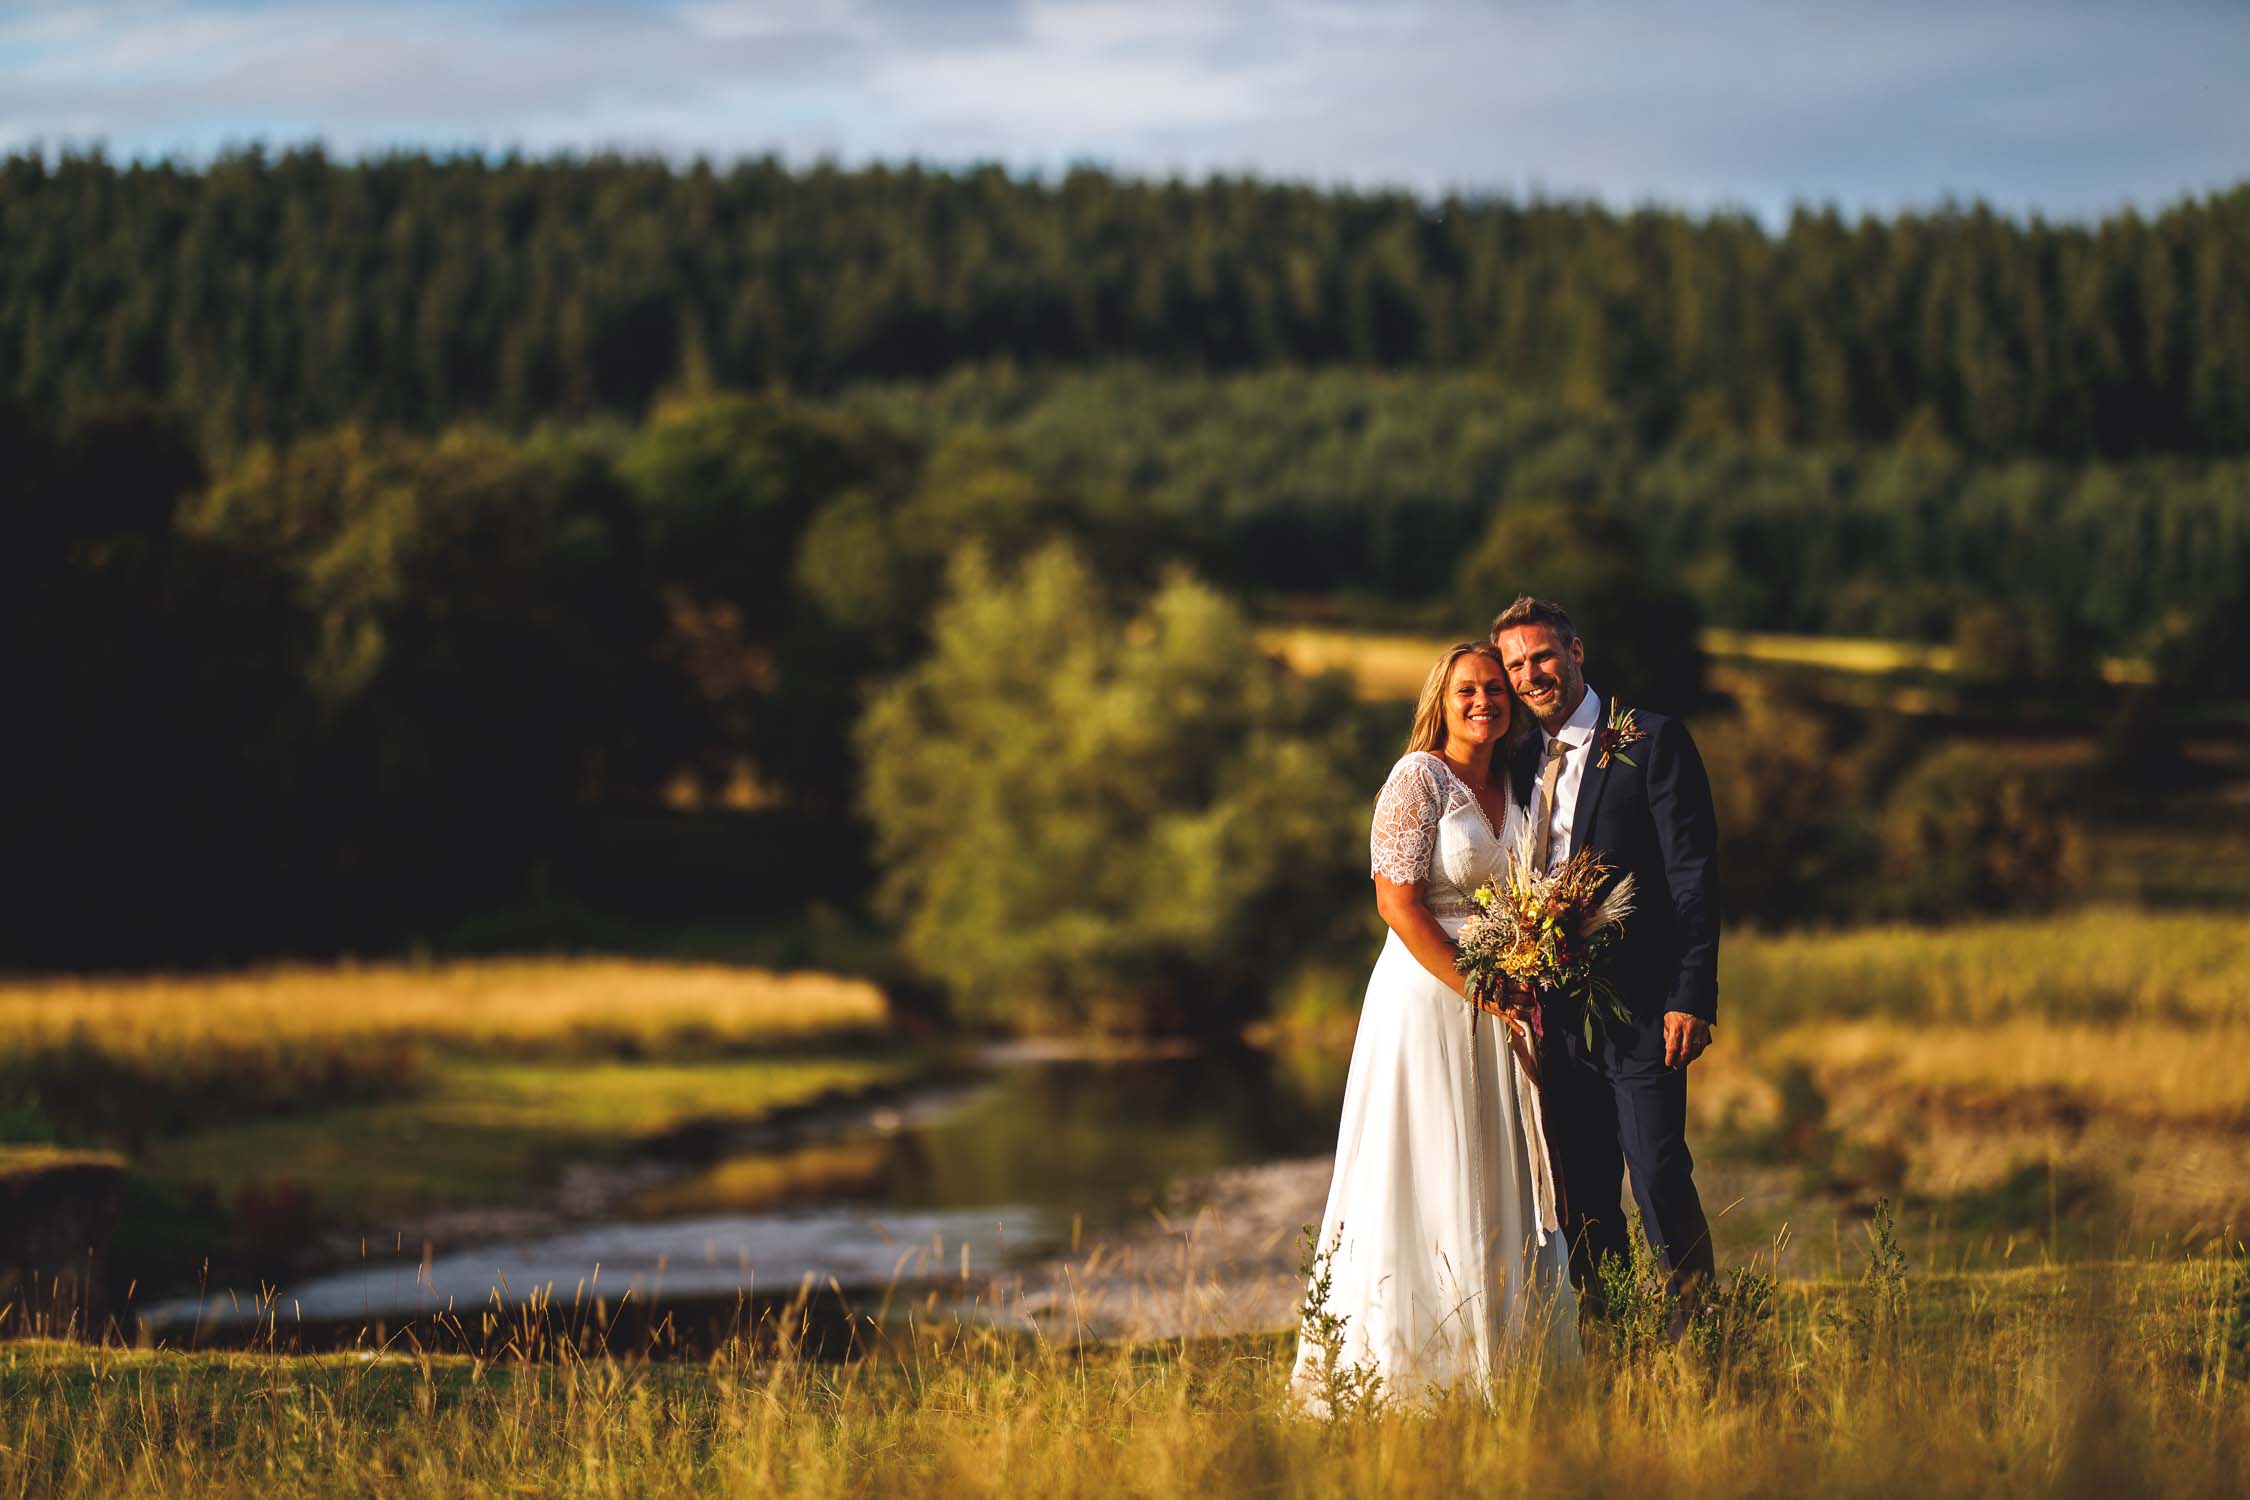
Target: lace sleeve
(1406, 820)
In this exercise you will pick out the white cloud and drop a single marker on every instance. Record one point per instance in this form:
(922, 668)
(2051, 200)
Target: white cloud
(2065, 105)
(1080, 72)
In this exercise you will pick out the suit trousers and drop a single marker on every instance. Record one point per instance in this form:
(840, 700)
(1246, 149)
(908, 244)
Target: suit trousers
(1609, 1109)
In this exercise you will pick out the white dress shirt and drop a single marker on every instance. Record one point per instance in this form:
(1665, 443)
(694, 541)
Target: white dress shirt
(1578, 736)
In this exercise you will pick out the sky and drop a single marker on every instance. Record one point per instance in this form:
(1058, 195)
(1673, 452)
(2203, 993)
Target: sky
(2062, 108)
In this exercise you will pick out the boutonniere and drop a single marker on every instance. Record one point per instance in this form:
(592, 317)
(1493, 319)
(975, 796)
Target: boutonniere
(1619, 734)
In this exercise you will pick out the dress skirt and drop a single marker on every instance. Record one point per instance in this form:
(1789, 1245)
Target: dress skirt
(1442, 1236)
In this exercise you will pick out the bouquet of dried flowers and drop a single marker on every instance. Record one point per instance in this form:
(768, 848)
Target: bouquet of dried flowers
(1548, 929)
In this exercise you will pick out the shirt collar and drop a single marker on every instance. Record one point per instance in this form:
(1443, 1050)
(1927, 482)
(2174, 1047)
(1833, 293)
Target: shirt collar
(1579, 732)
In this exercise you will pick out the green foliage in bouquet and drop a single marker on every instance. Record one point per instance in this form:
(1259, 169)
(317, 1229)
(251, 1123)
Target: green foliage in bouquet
(1550, 929)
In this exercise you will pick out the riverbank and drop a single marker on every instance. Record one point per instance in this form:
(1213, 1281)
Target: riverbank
(2043, 1088)
(272, 1121)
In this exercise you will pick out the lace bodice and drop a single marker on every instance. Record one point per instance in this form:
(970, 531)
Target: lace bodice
(1430, 827)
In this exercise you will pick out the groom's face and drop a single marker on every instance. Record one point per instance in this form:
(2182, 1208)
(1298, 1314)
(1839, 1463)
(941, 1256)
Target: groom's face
(1546, 674)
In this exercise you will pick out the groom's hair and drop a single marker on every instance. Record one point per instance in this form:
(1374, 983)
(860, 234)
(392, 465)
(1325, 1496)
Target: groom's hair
(1529, 611)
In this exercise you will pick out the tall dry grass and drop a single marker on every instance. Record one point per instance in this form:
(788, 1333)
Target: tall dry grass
(499, 1003)
(2120, 1010)
(2150, 1070)
(2077, 1077)
(2104, 966)
(2099, 1382)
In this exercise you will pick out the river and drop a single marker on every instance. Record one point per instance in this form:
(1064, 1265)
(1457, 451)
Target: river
(1147, 1185)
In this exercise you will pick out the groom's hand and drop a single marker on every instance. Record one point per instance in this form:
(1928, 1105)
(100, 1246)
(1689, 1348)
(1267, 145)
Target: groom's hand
(1685, 1037)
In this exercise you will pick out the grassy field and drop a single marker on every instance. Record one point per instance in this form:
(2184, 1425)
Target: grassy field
(2065, 1082)
(2093, 1380)
(257, 1111)
(1930, 1065)
(2054, 1103)
(2006, 1080)
(128, 1062)
(2068, 1084)
(2110, 967)
(1390, 667)
(541, 1003)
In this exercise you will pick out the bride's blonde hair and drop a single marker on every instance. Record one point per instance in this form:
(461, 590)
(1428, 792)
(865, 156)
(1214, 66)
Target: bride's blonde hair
(1428, 732)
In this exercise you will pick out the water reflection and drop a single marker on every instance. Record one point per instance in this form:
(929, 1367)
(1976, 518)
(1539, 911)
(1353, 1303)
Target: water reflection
(1106, 1139)
(696, 1258)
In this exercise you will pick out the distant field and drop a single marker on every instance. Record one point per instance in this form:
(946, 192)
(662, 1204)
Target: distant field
(511, 1003)
(1391, 667)
(24, 1160)
(1383, 668)
(2107, 967)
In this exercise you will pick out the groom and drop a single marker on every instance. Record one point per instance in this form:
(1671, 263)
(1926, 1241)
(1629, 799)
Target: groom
(1639, 798)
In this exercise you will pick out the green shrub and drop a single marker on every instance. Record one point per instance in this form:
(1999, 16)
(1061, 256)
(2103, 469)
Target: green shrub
(1965, 834)
(1089, 811)
(477, 657)
(873, 564)
(1791, 843)
(726, 485)
(151, 707)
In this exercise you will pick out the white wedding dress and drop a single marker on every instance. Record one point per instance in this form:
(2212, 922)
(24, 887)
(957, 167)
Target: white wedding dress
(1448, 1257)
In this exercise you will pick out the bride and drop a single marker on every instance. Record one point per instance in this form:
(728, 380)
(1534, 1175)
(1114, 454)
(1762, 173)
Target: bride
(1443, 1250)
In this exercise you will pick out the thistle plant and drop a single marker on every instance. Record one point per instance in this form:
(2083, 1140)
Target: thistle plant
(1733, 1327)
(2228, 1357)
(1636, 1299)
(1885, 1278)
(1342, 1390)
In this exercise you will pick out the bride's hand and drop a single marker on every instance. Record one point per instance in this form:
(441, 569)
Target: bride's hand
(1514, 999)
(1509, 1003)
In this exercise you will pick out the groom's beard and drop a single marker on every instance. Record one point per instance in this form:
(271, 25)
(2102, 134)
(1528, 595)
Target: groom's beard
(1566, 702)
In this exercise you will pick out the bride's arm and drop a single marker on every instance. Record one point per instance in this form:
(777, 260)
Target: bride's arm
(1401, 841)
(1409, 916)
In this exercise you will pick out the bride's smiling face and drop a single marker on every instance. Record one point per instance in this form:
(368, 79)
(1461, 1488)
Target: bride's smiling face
(1477, 705)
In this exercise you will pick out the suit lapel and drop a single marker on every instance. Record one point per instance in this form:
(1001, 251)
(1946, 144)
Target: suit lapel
(1589, 787)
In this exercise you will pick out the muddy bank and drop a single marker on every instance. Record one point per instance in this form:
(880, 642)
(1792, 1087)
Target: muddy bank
(1224, 1255)
(58, 1212)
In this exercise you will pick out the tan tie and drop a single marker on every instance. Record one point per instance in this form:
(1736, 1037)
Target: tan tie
(1543, 816)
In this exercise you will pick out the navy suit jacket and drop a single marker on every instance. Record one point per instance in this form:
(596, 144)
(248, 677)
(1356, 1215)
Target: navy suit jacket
(1652, 819)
